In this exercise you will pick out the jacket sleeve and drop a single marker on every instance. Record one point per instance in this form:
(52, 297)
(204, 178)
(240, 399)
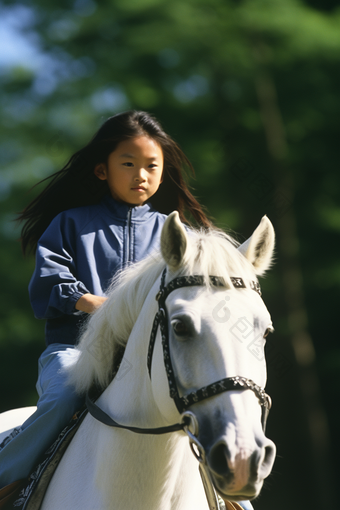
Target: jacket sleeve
(54, 288)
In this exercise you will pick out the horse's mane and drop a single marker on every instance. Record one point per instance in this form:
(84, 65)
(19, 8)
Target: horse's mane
(211, 252)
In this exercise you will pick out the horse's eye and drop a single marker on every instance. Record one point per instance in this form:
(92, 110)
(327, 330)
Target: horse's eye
(180, 328)
(268, 330)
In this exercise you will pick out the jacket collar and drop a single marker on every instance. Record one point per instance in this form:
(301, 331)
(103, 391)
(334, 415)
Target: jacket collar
(122, 210)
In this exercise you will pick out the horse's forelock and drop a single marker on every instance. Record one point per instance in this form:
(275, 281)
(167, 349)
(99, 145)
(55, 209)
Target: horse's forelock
(214, 252)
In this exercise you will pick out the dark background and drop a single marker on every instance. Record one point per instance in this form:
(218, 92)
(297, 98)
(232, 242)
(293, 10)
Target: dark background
(250, 90)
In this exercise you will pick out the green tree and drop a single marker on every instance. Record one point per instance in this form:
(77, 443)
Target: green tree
(250, 90)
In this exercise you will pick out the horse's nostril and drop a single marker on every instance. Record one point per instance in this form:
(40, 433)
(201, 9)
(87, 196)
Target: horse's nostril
(262, 460)
(269, 452)
(269, 456)
(218, 459)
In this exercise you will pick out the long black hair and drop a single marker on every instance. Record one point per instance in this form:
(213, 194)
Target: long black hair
(76, 185)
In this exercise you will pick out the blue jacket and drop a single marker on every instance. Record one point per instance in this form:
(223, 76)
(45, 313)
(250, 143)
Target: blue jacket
(79, 252)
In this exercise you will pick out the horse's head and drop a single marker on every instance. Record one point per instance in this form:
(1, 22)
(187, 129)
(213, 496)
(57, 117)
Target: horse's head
(216, 332)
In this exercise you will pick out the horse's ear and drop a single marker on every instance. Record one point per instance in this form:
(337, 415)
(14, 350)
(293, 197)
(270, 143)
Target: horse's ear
(259, 248)
(173, 241)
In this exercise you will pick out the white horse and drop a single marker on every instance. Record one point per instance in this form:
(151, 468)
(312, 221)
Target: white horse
(214, 333)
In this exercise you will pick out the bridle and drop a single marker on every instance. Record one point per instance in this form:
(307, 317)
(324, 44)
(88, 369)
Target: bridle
(227, 384)
(184, 402)
(189, 421)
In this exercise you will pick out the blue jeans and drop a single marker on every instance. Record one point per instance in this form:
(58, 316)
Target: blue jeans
(55, 408)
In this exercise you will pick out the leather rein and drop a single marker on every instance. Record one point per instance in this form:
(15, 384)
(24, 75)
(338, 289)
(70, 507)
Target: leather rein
(184, 402)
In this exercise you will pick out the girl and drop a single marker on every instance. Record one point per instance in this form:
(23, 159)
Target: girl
(103, 210)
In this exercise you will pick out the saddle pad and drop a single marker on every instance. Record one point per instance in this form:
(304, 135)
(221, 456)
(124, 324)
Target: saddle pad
(33, 492)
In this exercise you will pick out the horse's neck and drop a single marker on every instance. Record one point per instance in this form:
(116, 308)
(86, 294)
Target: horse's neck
(151, 462)
(111, 469)
(129, 396)
(141, 471)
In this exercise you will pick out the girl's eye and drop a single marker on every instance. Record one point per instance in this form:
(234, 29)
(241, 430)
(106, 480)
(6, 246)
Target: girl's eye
(180, 328)
(128, 163)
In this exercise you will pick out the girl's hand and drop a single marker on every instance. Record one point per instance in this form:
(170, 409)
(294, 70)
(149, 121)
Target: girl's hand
(89, 303)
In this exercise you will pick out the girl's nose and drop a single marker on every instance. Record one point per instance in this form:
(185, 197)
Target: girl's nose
(140, 175)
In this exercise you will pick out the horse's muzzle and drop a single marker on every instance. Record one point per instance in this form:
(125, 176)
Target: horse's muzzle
(240, 474)
(237, 473)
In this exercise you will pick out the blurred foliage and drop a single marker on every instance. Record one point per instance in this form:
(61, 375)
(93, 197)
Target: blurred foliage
(195, 65)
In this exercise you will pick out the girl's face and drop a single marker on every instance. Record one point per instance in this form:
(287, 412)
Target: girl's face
(134, 170)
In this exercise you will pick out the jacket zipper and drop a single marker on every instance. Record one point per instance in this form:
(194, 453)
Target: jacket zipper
(128, 237)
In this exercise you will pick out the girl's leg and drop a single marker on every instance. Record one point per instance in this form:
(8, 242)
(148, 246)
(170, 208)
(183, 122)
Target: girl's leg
(55, 408)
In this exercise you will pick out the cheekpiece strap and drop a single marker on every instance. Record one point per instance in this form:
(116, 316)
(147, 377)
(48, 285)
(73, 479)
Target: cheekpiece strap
(153, 339)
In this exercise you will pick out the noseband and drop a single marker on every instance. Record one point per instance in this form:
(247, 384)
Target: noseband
(184, 402)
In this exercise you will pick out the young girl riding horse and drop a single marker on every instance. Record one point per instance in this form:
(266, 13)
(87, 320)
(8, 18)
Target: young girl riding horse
(104, 210)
